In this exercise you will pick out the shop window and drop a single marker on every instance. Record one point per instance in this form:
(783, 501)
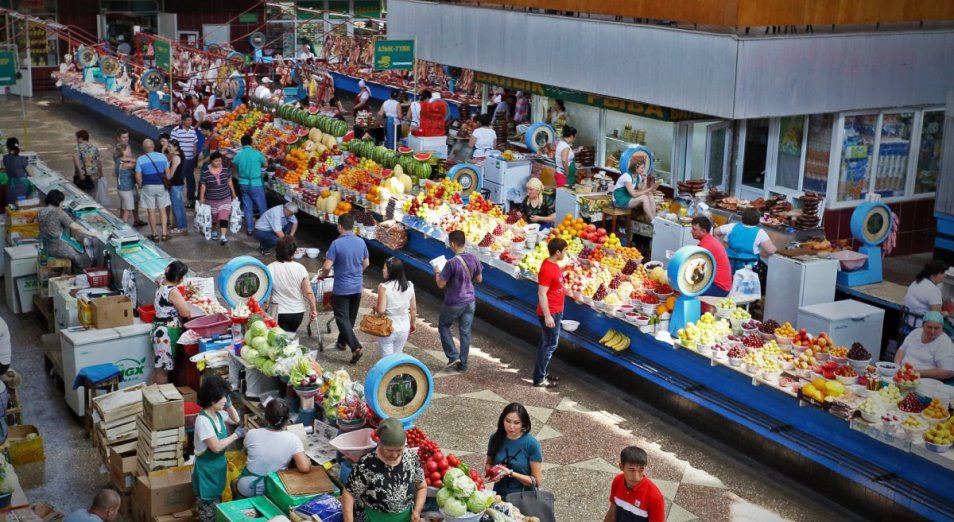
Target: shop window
(856, 156)
(623, 130)
(756, 153)
(929, 153)
(36, 45)
(818, 153)
(789, 158)
(894, 148)
(697, 162)
(586, 120)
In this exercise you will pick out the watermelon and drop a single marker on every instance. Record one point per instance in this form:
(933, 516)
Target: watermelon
(302, 131)
(291, 139)
(348, 137)
(423, 156)
(405, 150)
(312, 110)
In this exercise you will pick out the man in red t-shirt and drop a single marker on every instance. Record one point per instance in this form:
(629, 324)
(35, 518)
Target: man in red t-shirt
(549, 311)
(722, 285)
(633, 497)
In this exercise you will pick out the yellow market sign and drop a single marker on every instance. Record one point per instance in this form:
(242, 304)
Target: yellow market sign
(646, 110)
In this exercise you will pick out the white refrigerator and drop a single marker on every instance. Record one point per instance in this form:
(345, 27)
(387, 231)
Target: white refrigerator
(793, 283)
(846, 322)
(506, 180)
(669, 236)
(128, 347)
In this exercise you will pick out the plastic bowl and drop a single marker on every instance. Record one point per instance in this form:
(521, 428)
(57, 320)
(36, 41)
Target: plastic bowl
(932, 421)
(783, 340)
(859, 366)
(313, 253)
(642, 320)
(569, 326)
(886, 369)
(849, 259)
(937, 448)
(735, 362)
(874, 418)
(913, 433)
(846, 380)
(840, 361)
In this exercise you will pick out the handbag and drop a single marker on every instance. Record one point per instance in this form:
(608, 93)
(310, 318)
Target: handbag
(376, 325)
(534, 502)
(166, 182)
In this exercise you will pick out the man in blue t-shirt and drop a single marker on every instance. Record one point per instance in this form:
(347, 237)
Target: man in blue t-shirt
(151, 168)
(348, 255)
(105, 508)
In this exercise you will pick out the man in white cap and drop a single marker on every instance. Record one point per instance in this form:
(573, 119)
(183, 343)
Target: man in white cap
(263, 91)
(276, 223)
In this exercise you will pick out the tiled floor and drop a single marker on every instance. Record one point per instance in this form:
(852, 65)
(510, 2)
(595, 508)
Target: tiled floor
(582, 426)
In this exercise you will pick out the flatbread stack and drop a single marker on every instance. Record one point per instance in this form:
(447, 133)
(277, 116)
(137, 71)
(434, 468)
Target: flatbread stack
(809, 217)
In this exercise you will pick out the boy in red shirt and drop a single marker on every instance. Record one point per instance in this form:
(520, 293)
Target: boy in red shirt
(633, 497)
(549, 311)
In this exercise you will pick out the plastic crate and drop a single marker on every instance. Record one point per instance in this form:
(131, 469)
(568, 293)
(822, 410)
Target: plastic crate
(97, 276)
(147, 313)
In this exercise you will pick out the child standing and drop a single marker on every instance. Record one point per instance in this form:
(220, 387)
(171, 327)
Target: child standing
(633, 497)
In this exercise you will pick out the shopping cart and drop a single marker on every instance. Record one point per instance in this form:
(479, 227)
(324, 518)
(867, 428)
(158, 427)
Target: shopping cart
(322, 287)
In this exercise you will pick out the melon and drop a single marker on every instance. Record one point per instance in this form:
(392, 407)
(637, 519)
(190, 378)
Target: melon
(406, 181)
(314, 135)
(308, 146)
(398, 170)
(329, 141)
(312, 110)
(405, 150)
(302, 131)
(423, 156)
(320, 148)
(395, 185)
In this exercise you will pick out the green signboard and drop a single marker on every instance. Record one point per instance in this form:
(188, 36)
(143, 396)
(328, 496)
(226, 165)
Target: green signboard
(8, 68)
(163, 55)
(647, 110)
(248, 18)
(392, 55)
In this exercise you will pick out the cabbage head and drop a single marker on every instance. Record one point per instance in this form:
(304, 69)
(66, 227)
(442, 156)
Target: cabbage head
(450, 475)
(274, 334)
(442, 495)
(257, 329)
(454, 507)
(476, 503)
(463, 486)
(260, 344)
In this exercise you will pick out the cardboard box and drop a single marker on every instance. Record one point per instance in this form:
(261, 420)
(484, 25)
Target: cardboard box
(23, 447)
(162, 407)
(112, 311)
(188, 394)
(163, 493)
(121, 469)
(238, 511)
(23, 215)
(181, 516)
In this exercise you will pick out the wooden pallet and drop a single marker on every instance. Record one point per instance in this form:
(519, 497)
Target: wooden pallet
(158, 449)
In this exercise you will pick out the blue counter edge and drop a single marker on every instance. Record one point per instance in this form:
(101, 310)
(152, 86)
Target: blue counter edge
(121, 117)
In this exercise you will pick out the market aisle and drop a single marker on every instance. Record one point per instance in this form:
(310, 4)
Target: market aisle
(582, 425)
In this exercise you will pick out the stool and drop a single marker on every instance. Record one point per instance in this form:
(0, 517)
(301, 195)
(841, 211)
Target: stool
(615, 213)
(89, 391)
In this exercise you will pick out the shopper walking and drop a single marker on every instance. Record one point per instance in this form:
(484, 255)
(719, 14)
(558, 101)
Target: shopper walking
(217, 190)
(90, 166)
(348, 256)
(291, 293)
(126, 181)
(397, 301)
(457, 278)
(105, 508)
(250, 163)
(549, 311)
(276, 223)
(633, 497)
(18, 185)
(152, 169)
(177, 185)
(514, 458)
(189, 143)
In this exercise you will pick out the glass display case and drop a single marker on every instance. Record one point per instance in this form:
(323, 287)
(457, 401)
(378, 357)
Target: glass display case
(929, 152)
(623, 130)
(43, 46)
(894, 148)
(858, 144)
(789, 152)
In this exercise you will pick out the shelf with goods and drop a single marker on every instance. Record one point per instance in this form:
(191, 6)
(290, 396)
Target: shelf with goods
(621, 131)
(818, 153)
(894, 151)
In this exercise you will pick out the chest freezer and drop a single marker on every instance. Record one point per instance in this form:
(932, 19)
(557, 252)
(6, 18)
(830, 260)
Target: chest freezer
(506, 180)
(669, 236)
(128, 347)
(794, 283)
(846, 322)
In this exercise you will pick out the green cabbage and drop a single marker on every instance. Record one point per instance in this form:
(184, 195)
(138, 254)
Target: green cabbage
(442, 495)
(476, 503)
(454, 508)
(450, 475)
(274, 335)
(260, 343)
(257, 329)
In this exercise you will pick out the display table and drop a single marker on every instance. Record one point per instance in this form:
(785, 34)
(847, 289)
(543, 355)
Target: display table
(884, 294)
(128, 347)
(112, 112)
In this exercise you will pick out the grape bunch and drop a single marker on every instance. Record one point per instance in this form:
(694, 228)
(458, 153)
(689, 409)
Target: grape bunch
(486, 241)
(498, 231)
(769, 326)
(617, 280)
(736, 352)
(858, 352)
(600, 293)
(630, 267)
(513, 217)
(586, 253)
(365, 218)
(753, 341)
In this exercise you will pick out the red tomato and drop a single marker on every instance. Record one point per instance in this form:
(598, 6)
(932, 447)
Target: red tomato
(435, 476)
(437, 483)
(438, 455)
(442, 465)
(431, 466)
(473, 474)
(453, 461)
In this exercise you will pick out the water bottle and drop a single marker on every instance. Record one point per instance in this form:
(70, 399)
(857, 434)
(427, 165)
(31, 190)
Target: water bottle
(237, 338)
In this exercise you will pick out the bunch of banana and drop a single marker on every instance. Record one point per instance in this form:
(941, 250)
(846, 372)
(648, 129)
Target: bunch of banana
(615, 340)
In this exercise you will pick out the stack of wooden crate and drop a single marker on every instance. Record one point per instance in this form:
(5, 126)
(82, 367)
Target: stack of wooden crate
(115, 427)
(161, 429)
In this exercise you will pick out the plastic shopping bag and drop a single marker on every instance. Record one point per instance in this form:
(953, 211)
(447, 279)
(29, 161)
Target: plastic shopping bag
(745, 283)
(235, 218)
(203, 219)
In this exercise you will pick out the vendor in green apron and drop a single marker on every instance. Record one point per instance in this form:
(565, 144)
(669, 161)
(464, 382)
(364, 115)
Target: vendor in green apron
(565, 158)
(746, 243)
(387, 484)
(632, 188)
(270, 449)
(210, 471)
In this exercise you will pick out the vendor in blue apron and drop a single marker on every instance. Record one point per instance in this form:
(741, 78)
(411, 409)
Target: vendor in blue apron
(210, 471)
(271, 449)
(746, 242)
(387, 484)
(391, 114)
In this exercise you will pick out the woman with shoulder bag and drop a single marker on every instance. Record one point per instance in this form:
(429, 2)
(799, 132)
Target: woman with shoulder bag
(397, 302)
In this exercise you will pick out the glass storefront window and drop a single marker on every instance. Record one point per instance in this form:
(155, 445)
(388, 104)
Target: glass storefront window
(697, 163)
(789, 157)
(623, 130)
(893, 151)
(929, 153)
(586, 120)
(856, 153)
(43, 46)
(818, 153)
